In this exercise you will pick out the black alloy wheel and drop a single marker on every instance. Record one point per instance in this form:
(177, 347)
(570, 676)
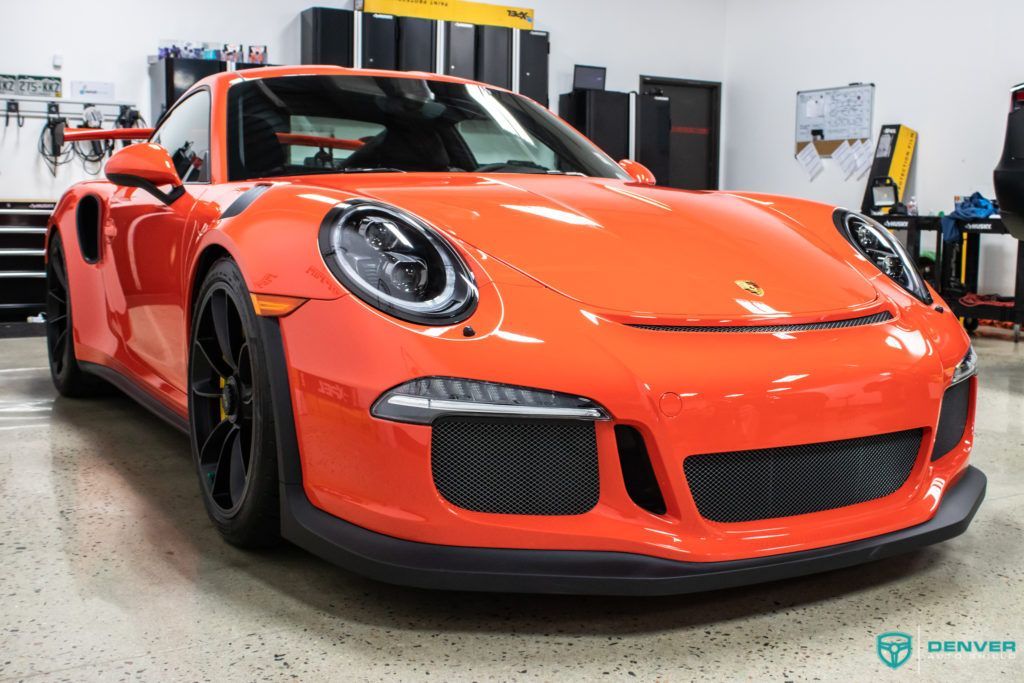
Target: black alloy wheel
(233, 438)
(58, 319)
(69, 379)
(221, 389)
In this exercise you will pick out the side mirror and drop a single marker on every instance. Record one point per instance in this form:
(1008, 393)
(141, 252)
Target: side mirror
(638, 172)
(146, 166)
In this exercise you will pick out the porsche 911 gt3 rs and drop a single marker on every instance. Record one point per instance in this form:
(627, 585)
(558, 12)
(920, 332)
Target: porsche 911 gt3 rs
(421, 327)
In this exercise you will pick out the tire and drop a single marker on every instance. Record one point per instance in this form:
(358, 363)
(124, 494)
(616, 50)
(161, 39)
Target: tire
(68, 377)
(234, 445)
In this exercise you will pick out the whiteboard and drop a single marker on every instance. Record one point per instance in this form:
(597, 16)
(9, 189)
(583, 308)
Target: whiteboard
(829, 116)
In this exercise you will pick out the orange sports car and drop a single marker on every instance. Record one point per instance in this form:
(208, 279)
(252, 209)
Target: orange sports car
(421, 327)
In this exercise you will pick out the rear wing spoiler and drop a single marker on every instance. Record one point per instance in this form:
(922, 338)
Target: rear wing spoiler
(303, 140)
(63, 134)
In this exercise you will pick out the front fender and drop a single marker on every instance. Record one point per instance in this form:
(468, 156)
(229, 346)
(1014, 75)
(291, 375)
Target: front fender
(273, 240)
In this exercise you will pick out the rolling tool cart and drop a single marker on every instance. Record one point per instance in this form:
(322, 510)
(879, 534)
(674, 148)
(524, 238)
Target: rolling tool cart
(955, 275)
(960, 278)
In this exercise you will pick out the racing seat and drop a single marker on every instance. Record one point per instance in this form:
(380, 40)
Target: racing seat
(408, 150)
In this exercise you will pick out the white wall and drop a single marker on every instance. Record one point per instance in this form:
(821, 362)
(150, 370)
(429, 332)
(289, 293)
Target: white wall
(109, 42)
(942, 67)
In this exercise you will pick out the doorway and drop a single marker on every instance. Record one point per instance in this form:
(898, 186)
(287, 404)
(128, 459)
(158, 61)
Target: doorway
(695, 111)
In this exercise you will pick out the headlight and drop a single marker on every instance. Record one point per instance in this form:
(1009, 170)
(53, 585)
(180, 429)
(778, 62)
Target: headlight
(966, 368)
(880, 247)
(397, 263)
(422, 400)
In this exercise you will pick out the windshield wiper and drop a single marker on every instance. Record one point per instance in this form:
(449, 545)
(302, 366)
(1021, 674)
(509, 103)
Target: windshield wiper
(371, 169)
(529, 166)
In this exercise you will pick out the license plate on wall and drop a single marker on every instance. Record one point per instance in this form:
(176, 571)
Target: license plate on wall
(39, 86)
(8, 84)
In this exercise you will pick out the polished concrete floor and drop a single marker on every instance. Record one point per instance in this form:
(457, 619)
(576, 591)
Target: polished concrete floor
(109, 570)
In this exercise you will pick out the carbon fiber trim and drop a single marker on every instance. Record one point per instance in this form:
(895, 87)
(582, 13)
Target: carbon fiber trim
(872, 319)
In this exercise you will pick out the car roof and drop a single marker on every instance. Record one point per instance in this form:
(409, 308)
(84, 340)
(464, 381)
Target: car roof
(226, 78)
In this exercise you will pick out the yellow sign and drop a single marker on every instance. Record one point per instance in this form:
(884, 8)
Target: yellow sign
(453, 10)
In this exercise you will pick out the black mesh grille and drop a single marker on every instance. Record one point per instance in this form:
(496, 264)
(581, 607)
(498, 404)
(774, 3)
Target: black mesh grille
(803, 327)
(794, 480)
(952, 418)
(519, 467)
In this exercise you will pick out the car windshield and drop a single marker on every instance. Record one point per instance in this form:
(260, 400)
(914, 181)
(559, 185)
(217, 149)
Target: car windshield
(298, 125)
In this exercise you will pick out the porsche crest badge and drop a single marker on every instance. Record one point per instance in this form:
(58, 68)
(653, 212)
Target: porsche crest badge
(750, 286)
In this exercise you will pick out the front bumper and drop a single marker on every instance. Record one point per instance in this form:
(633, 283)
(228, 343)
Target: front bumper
(736, 392)
(593, 572)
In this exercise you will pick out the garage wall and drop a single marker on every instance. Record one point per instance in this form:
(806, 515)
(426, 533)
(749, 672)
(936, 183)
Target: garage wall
(682, 38)
(944, 68)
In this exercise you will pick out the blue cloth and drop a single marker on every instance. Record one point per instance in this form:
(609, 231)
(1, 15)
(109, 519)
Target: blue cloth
(975, 206)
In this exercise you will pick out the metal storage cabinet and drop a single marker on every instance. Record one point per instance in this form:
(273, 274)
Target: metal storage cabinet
(494, 55)
(22, 259)
(417, 44)
(326, 36)
(380, 41)
(601, 115)
(653, 135)
(534, 47)
(172, 76)
(460, 49)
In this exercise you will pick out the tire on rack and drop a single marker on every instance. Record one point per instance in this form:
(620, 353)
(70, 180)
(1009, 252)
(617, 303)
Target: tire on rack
(230, 412)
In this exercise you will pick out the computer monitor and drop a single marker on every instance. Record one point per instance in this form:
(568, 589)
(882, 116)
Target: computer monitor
(588, 77)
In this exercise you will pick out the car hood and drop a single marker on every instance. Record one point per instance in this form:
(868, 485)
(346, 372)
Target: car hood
(637, 249)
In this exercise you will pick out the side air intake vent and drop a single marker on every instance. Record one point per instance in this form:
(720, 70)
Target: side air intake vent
(88, 216)
(952, 418)
(637, 472)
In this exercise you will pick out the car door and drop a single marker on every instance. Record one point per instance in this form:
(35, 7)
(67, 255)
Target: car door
(146, 241)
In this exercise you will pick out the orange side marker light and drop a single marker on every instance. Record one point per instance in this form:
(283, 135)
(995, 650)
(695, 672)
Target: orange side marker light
(273, 306)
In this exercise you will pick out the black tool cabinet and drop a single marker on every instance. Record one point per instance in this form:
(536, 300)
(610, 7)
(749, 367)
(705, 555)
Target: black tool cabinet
(22, 259)
(326, 36)
(478, 52)
(380, 41)
(417, 44)
(494, 55)
(601, 115)
(460, 49)
(534, 47)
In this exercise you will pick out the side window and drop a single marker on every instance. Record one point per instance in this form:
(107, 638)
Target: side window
(185, 134)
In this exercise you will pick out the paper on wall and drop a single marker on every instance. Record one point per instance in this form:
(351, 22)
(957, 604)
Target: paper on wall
(815, 108)
(92, 90)
(846, 157)
(810, 161)
(863, 151)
